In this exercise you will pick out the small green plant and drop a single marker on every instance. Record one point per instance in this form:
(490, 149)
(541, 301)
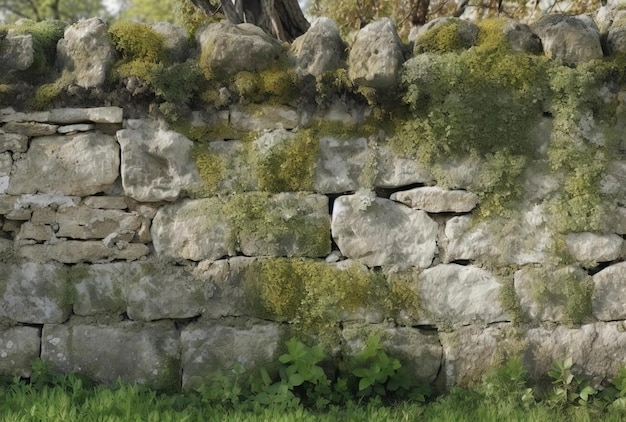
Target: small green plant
(508, 382)
(568, 388)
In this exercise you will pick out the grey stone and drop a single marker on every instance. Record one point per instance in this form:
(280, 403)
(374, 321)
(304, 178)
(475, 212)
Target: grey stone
(75, 251)
(106, 202)
(340, 164)
(30, 128)
(616, 38)
(573, 39)
(44, 200)
(222, 43)
(376, 57)
(394, 171)
(619, 223)
(591, 248)
(418, 351)
(595, 350)
(527, 240)
(608, 293)
(19, 348)
(34, 293)
(471, 351)
(39, 232)
(236, 172)
(133, 352)
(7, 204)
(14, 142)
(17, 52)
(544, 295)
(100, 288)
(614, 180)
(6, 163)
(263, 117)
(92, 114)
(80, 127)
(453, 295)
(195, 230)
(87, 223)
(176, 40)
(156, 162)
(436, 200)
(379, 232)
(320, 49)
(521, 38)
(81, 164)
(10, 115)
(467, 32)
(86, 50)
(212, 349)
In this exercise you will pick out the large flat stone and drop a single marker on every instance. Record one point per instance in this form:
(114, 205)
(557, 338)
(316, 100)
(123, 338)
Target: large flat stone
(436, 200)
(82, 165)
(609, 292)
(593, 248)
(19, 348)
(133, 352)
(75, 251)
(87, 223)
(79, 115)
(340, 164)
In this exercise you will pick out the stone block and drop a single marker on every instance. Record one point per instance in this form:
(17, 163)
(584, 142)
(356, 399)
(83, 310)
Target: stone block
(609, 292)
(19, 347)
(340, 164)
(436, 200)
(75, 251)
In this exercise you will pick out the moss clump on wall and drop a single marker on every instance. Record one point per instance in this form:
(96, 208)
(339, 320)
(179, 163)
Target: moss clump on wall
(276, 85)
(313, 295)
(279, 221)
(445, 38)
(210, 168)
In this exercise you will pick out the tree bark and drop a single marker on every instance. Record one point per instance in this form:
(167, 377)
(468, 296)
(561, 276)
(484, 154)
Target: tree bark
(281, 18)
(419, 12)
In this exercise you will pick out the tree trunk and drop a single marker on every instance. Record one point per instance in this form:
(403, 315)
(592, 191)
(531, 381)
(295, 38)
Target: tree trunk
(281, 18)
(419, 12)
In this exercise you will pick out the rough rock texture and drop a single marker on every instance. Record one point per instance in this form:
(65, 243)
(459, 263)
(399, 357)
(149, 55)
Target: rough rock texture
(82, 164)
(394, 171)
(453, 295)
(340, 164)
(6, 163)
(135, 352)
(616, 38)
(376, 231)
(418, 351)
(320, 49)
(467, 32)
(573, 39)
(264, 117)
(14, 142)
(74, 251)
(543, 296)
(176, 40)
(19, 348)
(209, 349)
(436, 200)
(376, 56)
(156, 162)
(521, 38)
(222, 44)
(194, 230)
(592, 248)
(595, 349)
(93, 114)
(87, 223)
(236, 172)
(34, 293)
(17, 52)
(609, 292)
(87, 52)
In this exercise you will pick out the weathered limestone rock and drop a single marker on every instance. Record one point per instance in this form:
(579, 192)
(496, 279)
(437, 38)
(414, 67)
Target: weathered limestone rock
(134, 352)
(14, 142)
(6, 247)
(211, 349)
(526, 241)
(6, 163)
(340, 164)
(434, 199)
(229, 160)
(453, 295)
(320, 49)
(222, 43)
(263, 117)
(45, 203)
(471, 351)
(573, 39)
(609, 292)
(30, 128)
(521, 38)
(176, 40)
(593, 248)
(595, 349)
(87, 223)
(19, 348)
(418, 351)
(80, 115)
(146, 291)
(17, 52)
(7, 204)
(81, 165)
(467, 32)
(376, 56)
(156, 162)
(376, 231)
(79, 127)
(38, 232)
(194, 230)
(106, 202)
(86, 50)
(34, 293)
(616, 38)
(544, 295)
(75, 251)
(395, 171)
(614, 180)
(9, 114)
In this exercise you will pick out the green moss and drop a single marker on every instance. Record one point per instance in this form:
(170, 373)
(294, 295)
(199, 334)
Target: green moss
(398, 295)
(210, 168)
(276, 85)
(510, 303)
(313, 295)
(137, 41)
(445, 38)
(46, 94)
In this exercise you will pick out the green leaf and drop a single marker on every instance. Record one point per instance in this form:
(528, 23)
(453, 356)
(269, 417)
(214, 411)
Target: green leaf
(365, 383)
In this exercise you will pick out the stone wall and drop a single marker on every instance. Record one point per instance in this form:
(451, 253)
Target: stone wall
(166, 247)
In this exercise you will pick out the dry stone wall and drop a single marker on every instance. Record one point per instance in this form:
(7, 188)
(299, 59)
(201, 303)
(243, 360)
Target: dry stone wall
(131, 248)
